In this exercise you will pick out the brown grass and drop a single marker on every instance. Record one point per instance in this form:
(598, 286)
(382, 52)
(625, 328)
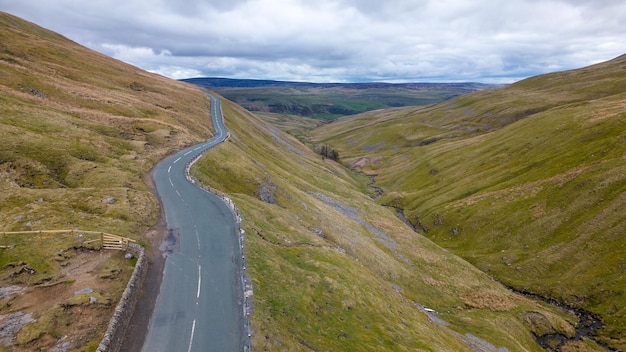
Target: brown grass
(496, 301)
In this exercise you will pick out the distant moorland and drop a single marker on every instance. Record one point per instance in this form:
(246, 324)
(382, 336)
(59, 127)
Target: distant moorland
(328, 101)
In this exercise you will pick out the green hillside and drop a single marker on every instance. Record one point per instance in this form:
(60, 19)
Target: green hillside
(74, 120)
(526, 182)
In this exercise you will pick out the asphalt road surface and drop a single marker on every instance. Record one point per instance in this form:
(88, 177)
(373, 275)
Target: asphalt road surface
(199, 306)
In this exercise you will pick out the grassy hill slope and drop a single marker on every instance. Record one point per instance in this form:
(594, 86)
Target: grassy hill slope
(526, 182)
(332, 270)
(79, 133)
(79, 127)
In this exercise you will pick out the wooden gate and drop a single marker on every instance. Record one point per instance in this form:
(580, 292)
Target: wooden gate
(114, 242)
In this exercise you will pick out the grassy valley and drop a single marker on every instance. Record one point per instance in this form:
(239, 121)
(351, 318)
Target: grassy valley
(332, 269)
(525, 182)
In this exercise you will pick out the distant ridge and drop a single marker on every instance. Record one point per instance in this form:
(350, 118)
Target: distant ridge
(217, 82)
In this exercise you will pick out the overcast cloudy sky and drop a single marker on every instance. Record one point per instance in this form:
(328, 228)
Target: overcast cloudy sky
(342, 40)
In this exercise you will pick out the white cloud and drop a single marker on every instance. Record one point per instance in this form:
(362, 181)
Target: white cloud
(176, 72)
(342, 40)
(126, 53)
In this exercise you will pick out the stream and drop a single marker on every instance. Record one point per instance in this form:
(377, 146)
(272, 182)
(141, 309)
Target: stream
(587, 324)
(377, 190)
(586, 327)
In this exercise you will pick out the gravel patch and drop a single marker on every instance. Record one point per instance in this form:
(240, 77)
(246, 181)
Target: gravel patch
(354, 214)
(9, 291)
(11, 324)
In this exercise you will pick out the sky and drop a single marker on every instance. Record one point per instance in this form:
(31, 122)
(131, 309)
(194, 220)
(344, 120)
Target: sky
(490, 41)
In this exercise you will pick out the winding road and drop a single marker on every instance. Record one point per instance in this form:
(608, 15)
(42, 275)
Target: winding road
(199, 306)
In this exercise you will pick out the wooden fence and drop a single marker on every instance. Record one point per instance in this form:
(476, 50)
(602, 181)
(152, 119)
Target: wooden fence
(102, 240)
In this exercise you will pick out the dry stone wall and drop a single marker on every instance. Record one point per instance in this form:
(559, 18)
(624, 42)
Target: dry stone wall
(114, 335)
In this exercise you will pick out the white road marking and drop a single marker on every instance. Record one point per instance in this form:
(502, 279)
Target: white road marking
(199, 281)
(175, 161)
(193, 329)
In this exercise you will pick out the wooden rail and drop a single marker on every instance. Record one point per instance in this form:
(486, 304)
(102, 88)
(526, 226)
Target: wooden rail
(106, 240)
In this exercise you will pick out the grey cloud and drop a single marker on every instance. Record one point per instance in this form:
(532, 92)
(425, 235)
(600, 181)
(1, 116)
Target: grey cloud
(342, 40)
